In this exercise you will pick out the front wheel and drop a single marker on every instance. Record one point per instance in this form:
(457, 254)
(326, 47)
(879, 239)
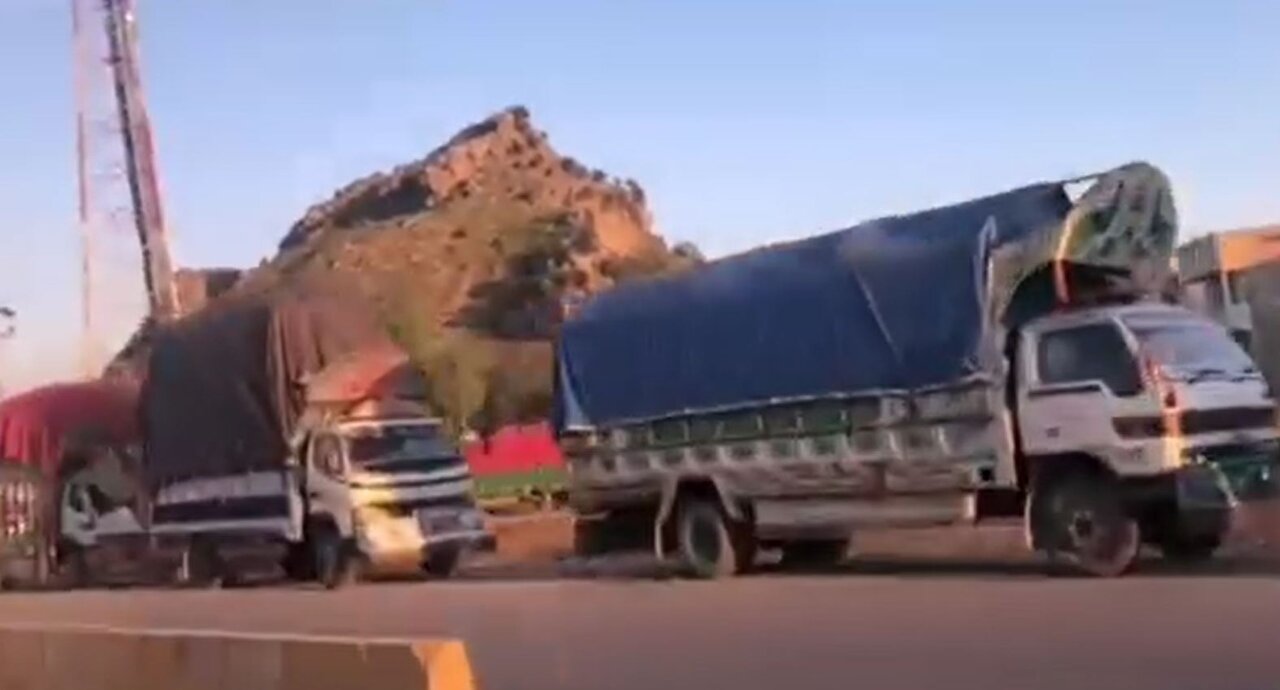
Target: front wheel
(443, 563)
(335, 565)
(1081, 519)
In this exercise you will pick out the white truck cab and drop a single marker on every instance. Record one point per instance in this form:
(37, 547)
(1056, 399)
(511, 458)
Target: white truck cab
(365, 491)
(1138, 422)
(388, 492)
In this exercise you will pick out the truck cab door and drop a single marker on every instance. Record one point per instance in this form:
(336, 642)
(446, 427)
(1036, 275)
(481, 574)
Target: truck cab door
(1076, 380)
(328, 496)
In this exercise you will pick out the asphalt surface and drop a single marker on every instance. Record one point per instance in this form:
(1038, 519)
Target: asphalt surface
(883, 625)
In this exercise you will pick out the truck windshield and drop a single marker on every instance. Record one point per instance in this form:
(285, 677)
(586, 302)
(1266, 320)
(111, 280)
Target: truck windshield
(1187, 347)
(398, 445)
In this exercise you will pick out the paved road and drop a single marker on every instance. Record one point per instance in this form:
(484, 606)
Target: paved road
(887, 626)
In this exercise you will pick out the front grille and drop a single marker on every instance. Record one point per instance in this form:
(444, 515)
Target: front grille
(1227, 419)
(1197, 422)
(407, 508)
(414, 465)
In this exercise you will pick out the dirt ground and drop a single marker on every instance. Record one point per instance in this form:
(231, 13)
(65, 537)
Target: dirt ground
(534, 538)
(548, 537)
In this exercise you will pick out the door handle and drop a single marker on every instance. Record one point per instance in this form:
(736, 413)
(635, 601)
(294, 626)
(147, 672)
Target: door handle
(1052, 432)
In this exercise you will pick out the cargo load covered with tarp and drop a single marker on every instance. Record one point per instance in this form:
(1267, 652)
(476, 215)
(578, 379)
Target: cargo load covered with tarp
(40, 426)
(890, 306)
(227, 387)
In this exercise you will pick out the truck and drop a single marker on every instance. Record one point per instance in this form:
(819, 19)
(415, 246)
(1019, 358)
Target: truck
(282, 431)
(1006, 357)
(39, 429)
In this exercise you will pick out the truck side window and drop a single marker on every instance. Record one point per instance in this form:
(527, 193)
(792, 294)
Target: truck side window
(328, 455)
(1096, 352)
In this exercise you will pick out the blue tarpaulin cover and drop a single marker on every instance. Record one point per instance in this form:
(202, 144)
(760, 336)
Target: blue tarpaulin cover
(894, 304)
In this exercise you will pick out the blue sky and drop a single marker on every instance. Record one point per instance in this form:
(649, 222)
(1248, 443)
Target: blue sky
(746, 121)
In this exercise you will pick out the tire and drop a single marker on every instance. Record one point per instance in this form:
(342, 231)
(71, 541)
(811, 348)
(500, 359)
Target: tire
(74, 567)
(709, 544)
(335, 565)
(443, 564)
(826, 553)
(201, 568)
(1080, 519)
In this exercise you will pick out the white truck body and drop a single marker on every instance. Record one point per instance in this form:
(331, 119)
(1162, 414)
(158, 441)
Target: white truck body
(394, 492)
(1004, 356)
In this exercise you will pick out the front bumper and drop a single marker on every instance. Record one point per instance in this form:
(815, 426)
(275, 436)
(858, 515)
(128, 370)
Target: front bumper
(1247, 472)
(409, 540)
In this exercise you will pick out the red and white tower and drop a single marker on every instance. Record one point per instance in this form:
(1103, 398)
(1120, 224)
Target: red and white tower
(120, 209)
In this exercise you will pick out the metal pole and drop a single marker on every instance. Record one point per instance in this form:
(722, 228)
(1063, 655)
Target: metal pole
(140, 159)
(83, 60)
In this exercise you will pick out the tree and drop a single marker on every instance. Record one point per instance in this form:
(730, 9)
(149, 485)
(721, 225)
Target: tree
(689, 251)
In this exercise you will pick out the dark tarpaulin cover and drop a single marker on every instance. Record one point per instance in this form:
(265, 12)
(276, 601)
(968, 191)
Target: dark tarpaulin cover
(225, 386)
(894, 304)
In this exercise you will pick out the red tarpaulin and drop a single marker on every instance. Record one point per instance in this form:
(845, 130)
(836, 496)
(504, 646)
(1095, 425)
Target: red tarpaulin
(35, 426)
(515, 449)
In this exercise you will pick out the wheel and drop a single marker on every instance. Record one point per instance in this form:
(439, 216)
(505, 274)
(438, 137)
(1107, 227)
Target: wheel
(709, 544)
(443, 563)
(200, 566)
(335, 565)
(810, 554)
(1081, 519)
(74, 566)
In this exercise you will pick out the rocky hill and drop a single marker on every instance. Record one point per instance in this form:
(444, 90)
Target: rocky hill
(473, 254)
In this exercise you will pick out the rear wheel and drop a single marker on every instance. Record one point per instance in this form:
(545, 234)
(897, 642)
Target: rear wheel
(1080, 519)
(200, 566)
(709, 543)
(74, 566)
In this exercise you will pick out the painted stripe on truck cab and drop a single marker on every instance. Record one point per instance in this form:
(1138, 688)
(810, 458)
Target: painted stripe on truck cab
(223, 509)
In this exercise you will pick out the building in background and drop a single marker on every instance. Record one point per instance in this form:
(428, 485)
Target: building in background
(1220, 274)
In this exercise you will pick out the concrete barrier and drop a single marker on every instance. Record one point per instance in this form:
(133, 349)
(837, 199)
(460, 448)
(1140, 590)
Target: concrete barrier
(92, 658)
